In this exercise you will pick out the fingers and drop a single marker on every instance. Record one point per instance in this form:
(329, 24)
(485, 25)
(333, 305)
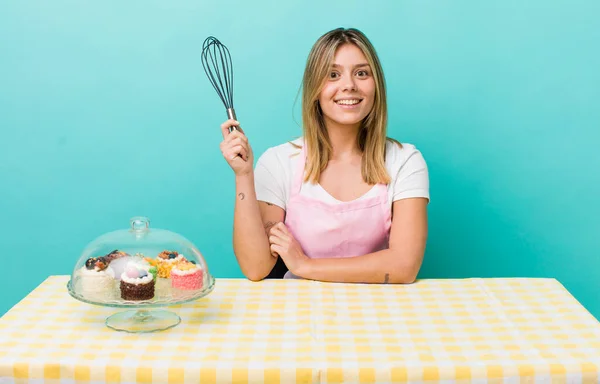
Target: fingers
(276, 250)
(279, 239)
(280, 233)
(275, 239)
(231, 152)
(236, 138)
(281, 229)
(235, 134)
(237, 150)
(235, 144)
(273, 253)
(230, 123)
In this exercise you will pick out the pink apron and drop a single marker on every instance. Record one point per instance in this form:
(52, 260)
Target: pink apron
(343, 229)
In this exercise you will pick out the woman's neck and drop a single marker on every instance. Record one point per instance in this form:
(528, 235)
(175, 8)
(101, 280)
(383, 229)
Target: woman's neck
(343, 139)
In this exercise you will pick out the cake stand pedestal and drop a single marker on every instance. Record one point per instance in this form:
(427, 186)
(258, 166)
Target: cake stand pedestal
(142, 321)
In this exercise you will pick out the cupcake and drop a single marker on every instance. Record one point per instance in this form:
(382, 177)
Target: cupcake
(186, 276)
(136, 283)
(119, 265)
(152, 266)
(165, 262)
(142, 262)
(153, 271)
(116, 254)
(96, 279)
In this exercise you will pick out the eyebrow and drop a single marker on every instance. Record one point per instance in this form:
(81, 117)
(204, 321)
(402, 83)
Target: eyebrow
(356, 66)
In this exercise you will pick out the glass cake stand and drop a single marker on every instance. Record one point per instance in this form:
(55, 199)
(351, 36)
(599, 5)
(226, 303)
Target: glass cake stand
(140, 269)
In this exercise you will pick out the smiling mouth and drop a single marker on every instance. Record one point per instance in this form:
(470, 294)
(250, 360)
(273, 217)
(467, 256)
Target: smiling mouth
(348, 101)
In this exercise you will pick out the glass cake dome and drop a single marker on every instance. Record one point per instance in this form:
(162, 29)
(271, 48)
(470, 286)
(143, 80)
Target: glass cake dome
(140, 267)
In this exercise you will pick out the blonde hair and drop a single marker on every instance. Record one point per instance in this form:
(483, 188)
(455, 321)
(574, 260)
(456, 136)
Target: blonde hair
(372, 133)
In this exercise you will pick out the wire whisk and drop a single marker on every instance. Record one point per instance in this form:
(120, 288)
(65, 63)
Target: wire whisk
(218, 67)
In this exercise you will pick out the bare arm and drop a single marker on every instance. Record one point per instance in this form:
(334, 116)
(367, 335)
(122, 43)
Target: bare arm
(252, 220)
(399, 264)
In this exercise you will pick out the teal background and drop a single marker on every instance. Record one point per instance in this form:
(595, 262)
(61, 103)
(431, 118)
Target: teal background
(106, 113)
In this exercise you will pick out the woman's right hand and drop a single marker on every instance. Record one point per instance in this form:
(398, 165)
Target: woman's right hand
(236, 149)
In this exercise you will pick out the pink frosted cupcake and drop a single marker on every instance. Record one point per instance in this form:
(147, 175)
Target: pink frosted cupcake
(186, 276)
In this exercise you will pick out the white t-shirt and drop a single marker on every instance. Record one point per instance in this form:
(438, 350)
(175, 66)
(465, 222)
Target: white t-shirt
(275, 171)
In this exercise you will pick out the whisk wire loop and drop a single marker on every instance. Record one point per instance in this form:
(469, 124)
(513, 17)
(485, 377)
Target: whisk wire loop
(217, 64)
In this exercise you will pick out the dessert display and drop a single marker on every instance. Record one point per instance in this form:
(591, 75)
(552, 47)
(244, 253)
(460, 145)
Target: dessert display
(140, 267)
(140, 277)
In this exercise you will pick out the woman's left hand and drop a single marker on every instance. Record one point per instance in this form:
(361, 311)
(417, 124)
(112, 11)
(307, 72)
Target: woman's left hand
(285, 245)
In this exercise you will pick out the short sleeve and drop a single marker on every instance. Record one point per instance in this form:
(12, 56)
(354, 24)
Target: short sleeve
(269, 181)
(412, 179)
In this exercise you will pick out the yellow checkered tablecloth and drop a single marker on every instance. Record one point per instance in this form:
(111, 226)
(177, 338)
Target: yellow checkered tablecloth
(296, 331)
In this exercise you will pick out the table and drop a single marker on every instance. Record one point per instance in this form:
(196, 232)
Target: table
(297, 331)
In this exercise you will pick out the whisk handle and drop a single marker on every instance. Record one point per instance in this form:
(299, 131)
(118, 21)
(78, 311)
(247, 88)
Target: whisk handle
(231, 115)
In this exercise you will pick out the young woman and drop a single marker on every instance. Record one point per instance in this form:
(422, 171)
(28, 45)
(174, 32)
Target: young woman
(343, 203)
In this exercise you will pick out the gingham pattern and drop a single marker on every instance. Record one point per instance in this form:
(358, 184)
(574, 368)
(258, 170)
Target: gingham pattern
(295, 331)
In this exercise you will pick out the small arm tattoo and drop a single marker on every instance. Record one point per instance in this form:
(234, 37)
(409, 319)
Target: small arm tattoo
(241, 195)
(269, 204)
(387, 278)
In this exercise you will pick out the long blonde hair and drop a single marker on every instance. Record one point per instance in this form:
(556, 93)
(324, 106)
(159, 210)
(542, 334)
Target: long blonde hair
(372, 133)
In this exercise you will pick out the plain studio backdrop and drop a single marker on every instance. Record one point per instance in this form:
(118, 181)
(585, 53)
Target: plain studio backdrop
(106, 113)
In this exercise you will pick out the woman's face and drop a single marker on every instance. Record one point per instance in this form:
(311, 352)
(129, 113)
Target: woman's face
(349, 91)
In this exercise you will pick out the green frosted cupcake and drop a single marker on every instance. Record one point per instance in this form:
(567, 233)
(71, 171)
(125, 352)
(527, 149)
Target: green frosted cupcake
(147, 264)
(153, 271)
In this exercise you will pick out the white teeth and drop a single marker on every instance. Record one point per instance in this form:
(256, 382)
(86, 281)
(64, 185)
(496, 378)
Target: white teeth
(348, 102)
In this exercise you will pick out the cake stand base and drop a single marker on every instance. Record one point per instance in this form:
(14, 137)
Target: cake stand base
(142, 321)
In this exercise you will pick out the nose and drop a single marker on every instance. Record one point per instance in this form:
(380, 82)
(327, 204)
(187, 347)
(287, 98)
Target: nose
(349, 83)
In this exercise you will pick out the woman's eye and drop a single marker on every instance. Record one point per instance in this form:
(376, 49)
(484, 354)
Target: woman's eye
(333, 75)
(362, 73)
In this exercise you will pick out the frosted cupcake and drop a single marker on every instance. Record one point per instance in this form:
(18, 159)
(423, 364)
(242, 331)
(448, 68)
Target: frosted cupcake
(186, 276)
(96, 280)
(114, 255)
(148, 266)
(166, 260)
(136, 283)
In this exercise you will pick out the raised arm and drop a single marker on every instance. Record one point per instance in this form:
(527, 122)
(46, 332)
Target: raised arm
(251, 218)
